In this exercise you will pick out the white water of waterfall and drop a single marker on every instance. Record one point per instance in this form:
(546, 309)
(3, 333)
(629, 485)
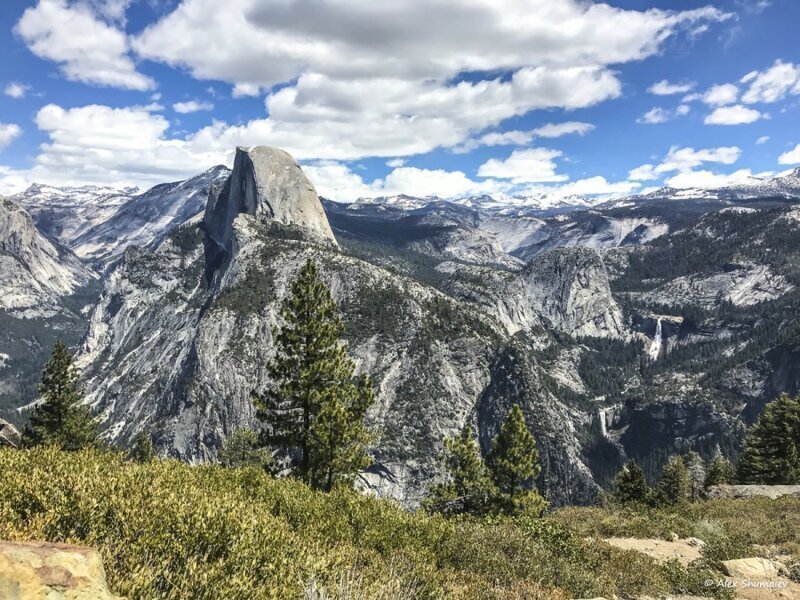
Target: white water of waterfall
(655, 347)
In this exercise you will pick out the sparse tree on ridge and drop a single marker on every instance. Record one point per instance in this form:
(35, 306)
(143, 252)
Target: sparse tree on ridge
(514, 463)
(772, 451)
(470, 487)
(244, 448)
(315, 409)
(142, 450)
(631, 486)
(719, 472)
(673, 486)
(59, 419)
(696, 473)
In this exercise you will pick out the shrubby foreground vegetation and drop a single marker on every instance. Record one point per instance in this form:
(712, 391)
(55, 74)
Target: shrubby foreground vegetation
(170, 530)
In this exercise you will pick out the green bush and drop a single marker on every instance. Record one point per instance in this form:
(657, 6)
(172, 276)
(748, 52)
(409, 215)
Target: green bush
(171, 530)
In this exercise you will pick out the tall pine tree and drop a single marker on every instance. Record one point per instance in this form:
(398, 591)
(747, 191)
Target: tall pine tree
(315, 411)
(719, 472)
(631, 486)
(514, 462)
(772, 452)
(470, 487)
(59, 419)
(673, 486)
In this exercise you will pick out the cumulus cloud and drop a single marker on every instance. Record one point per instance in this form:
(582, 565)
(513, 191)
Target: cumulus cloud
(522, 138)
(792, 157)
(773, 84)
(87, 48)
(267, 43)
(590, 186)
(534, 165)
(8, 131)
(16, 90)
(191, 106)
(717, 95)
(395, 162)
(658, 115)
(665, 88)
(733, 115)
(708, 179)
(762, 140)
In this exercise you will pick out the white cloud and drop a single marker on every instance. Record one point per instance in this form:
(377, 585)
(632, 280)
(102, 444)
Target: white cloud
(708, 179)
(323, 118)
(191, 106)
(720, 95)
(395, 162)
(116, 146)
(264, 44)
(555, 130)
(245, 90)
(593, 186)
(665, 88)
(762, 140)
(522, 138)
(534, 165)
(733, 115)
(792, 157)
(772, 84)
(16, 90)
(88, 49)
(658, 115)
(644, 172)
(683, 160)
(336, 181)
(392, 64)
(8, 132)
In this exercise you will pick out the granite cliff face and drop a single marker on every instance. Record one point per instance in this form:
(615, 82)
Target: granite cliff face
(456, 310)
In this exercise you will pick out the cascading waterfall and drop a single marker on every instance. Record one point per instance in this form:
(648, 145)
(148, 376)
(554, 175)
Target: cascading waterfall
(655, 347)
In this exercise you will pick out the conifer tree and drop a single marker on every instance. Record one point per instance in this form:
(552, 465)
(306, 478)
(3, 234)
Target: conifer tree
(470, 488)
(514, 462)
(142, 450)
(673, 486)
(719, 472)
(315, 410)
(631, 486)
(772, 452)
(696, 473)
(244, 448)
(60, 419)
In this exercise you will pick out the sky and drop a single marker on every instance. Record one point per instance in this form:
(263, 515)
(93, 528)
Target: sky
(450, 98)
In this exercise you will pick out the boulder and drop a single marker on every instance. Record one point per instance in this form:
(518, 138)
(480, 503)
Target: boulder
(755, 568)
(51, 571)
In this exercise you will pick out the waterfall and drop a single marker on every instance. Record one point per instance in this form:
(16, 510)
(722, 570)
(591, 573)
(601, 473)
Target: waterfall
(655, 347)
(603, 425)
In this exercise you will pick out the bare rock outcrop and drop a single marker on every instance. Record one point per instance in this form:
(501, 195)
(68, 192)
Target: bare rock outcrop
(53, 571)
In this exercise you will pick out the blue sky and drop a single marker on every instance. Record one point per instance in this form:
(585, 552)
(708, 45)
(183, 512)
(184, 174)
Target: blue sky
(444, 97)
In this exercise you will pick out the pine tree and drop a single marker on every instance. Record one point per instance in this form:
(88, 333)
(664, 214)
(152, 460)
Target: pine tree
(631, 486)
(673, 487)
(772, 452)
(470, 488)
(514, 462)
(719, 472)
(244, 448)
(142, 450)
(60, 419)
(315, 410)
(696, 473)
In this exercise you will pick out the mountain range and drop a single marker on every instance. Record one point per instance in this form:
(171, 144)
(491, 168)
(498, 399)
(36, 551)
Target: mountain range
(636, 327)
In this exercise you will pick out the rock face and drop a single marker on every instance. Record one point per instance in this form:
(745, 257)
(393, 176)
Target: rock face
(98, 223)
(51, 571)
(9, 435)
(266, 182)
(35, 272)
